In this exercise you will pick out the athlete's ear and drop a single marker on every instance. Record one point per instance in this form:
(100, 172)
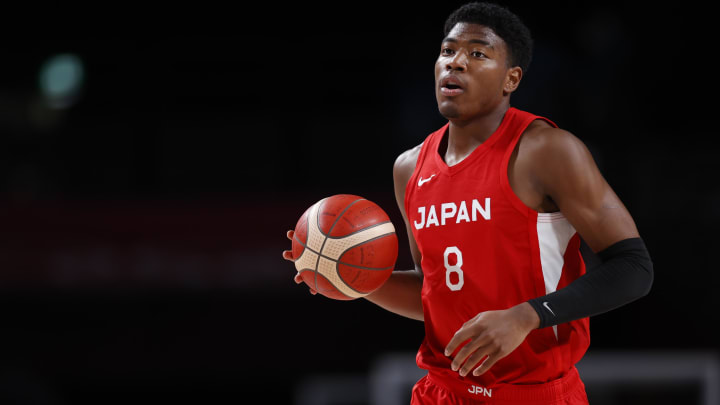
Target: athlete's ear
(512, 79)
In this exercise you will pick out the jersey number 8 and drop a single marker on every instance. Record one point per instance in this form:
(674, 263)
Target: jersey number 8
(456, 268)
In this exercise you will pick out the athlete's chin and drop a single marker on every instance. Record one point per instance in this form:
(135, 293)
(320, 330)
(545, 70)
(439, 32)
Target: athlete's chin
(449, 110)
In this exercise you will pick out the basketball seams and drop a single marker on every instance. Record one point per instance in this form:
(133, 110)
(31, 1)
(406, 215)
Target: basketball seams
(336, 247)
(335, 290)
(358, 231)
(338, 263)
(327, 235)
(344, 263)
(355, 266)
(360, 244)
(314, 218)
(300, 242)
(304, 262)
(322, 256)
(317, 219)
(306, 247)
(362, 294)
(326, 269)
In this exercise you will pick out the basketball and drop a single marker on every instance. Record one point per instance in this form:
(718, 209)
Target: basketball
(345, 247)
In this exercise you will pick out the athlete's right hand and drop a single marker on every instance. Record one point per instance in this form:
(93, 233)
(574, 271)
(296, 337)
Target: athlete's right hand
(287, 255)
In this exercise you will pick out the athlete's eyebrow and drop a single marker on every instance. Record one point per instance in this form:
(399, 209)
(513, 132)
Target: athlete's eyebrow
(471, 41)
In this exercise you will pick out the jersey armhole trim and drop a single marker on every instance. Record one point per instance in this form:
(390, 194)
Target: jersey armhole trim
(409, 189)
(504, 179)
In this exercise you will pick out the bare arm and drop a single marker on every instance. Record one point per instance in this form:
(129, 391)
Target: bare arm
(596, 212)
(562, 168)
(401, 293)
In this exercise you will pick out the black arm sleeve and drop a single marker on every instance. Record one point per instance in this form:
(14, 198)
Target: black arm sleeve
(626, 274)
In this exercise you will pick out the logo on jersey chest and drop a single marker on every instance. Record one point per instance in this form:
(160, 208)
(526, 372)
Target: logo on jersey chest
(422, 181)
(452, 213)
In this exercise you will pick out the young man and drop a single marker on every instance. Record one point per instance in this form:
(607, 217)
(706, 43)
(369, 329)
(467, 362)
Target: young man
(495, 203)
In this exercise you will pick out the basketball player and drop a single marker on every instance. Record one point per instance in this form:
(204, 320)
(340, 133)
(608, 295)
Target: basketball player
(495, 203)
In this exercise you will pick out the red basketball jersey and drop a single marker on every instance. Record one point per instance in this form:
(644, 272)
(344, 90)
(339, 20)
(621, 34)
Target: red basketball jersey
(483, 249)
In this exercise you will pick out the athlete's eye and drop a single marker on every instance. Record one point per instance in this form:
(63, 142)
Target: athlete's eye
(478, 54)
(447, 51)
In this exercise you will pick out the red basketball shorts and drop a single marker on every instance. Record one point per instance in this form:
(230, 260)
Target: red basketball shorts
(434, 389)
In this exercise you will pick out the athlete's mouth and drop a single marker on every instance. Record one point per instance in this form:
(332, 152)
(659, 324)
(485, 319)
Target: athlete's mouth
(451, 86)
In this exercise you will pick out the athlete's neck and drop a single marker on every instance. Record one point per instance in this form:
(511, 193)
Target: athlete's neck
(464, 136)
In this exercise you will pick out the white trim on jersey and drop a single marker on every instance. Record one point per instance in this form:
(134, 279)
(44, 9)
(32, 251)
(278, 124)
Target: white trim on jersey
(554, 233)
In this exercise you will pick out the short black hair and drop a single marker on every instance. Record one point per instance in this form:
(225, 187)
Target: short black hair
(504, 22)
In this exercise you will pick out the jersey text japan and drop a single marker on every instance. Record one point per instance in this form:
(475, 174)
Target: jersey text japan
(450, 210)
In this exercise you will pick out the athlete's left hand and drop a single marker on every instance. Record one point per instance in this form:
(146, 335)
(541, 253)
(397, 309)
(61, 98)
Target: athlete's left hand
(494, 334)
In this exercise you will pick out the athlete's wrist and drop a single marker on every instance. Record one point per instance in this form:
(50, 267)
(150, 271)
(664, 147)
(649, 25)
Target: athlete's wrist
(527, 315)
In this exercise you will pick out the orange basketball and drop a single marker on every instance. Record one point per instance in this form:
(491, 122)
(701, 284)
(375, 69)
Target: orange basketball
(344, 247)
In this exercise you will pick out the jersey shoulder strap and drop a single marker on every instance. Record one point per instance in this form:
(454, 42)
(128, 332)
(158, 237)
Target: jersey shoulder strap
(429, 146)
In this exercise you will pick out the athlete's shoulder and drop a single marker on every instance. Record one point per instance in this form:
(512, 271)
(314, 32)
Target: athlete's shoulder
(550, 154)
(543, 140)
(408, 159)
(405, 164)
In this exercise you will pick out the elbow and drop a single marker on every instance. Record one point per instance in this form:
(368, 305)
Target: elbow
(639, 265)
(637, 281)
(643, 280)
(649, 279)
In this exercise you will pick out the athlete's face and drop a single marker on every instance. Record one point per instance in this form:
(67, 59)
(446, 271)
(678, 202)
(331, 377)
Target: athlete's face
(472, 73)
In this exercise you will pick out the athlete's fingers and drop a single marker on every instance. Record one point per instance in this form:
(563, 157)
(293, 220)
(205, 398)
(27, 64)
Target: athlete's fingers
(460, 337)
(467, 350)
(489, 361)
(467, 331)
(299, 280)
(476, 358)
(287, 254)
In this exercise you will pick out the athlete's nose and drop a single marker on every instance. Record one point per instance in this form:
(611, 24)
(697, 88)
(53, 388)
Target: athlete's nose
(457, 62)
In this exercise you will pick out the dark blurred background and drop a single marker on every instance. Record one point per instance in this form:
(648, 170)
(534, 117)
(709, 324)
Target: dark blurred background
(150, 166)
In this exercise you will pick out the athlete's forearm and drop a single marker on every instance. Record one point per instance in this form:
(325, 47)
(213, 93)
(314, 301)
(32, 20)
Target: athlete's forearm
(625, 275)
(401, 294)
